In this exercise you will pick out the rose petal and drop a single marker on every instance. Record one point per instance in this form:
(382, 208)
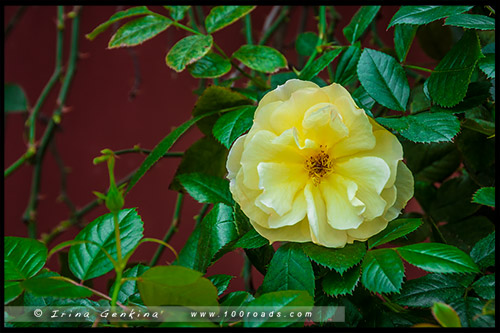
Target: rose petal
(233, 163)
(368, 229)
(298, 232)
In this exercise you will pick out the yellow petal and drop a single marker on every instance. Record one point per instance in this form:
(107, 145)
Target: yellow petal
(298, 232)
(280, 182)
(323, 123)
(321, 232)
(245, 197)
(368, 229)
(404, 185)
(284, 91)
(370, 174)
(343, 208)
(233, 163)
(389, 195)
(295, 215)
(265, 146)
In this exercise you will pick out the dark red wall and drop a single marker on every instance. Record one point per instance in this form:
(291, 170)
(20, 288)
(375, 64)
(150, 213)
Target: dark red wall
(101, 115)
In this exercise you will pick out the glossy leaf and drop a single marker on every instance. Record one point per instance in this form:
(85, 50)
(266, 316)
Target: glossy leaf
(471, 21)
(425, 127)
(87, 261)
(129, 287)
(139, 30)
(335, 284)
(187, 51)
(290, 269)
(383, 79)
(236, 298)
(424, 14)
(394, 230)
(176, 285)
(11, 290)
(205, 188)
(359, 22)
(445, 315)
(428, 289)
(221, 282)
(14, 98)
(279, 301)
(23, 257)
(382, 271)
(338, 259)
(210, 66)
(177, 12)
(315, 67)
(487, 65)
(348, 62)
(403, 38)
(362, 99)
(483, 253)
(306, 43)
(195, 157)
(251, 240)
(485, 196)
(260, 58)
(222, 16)
(485, 286)
(134, 11)
(162, 147)
(437, 258)
(449, 80)
(470, 312)
(53, 286)
(233, 124)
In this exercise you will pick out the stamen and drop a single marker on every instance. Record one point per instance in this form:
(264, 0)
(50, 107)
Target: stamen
(319, 165)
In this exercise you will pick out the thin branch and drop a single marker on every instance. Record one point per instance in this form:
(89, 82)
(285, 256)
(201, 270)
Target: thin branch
(266, 33)
(13, 21)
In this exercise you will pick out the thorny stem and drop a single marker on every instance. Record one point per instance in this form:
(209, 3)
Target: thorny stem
(201, 214)
(147, 151)
(174, 227)
(248, 29)
(29, 215)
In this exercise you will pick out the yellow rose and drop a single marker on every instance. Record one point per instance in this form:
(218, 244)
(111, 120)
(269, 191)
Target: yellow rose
(314, 167)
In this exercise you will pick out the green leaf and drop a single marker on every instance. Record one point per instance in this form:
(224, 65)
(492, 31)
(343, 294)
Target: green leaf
(233, 124)
(485, 286)
(425, 127)
(431, 288)
(222, 16)
(394, 230)
(177, 12)
(470, 312)
(453, 201)
(251, 240)
(487, 65)
(382, 271)
(483, 253)
(236, 298)
(449, 80)
(290, 269)
(11, 290)
(195, 157)
(403, 38)
(129, 287)
(485, 196)
(478, 155)
(424, 14)
(139, 30)
(14, 98)
(23, 257)
(306, 43)
(433, 162)
(477, 94)
(188, 255)
(384, 79)
(471, 21)
(437, 258)
(162, 147)
(359, 22)
(210, 66)
(214, 99)
(362, 99)
(465, 233)
(134, 11)
(176, 285)
(335, 284)
(217, 233)
(445, 315)
(221, 282)
(188, 50)
(319, 64)
(260, 58)
(279, 301)
(87, 261)
(348, 62)
(419, 100)
(206, 188)
(54, 286)
(338, 259)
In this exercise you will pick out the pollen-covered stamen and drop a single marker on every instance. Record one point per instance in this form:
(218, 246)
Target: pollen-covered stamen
(319, 165)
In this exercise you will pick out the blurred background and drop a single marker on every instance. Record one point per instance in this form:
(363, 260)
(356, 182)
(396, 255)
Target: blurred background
(125, 97)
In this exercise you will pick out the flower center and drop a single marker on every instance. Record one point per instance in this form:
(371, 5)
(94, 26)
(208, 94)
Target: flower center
(319, 165)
